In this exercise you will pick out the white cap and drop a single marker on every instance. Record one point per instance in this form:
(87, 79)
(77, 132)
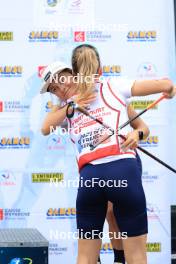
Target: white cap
(50, 70)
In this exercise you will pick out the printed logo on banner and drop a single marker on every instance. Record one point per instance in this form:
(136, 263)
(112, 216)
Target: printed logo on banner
(152, 211)
(76, 3)
(13, 106)
(14, 143)
(93, 36)
(1, 106)
(55, 249)
(7, 178)
(56, 142)
(14, 214)
(47, 177)
(146, 70)
(79, 36)
(11, 71)
(41, 70)
(111, 70)
(142, 36)
(106, 248)
(6, 36)
(76, 7)
(69, 7)
(154, 247)
(52, 3)
(142, 104)
(1, 214)
(151, 247)
(61, 213)
(53, 6)
(149, 178)
(151, 141)
(43, 36)
(21, 261)
(97, 36)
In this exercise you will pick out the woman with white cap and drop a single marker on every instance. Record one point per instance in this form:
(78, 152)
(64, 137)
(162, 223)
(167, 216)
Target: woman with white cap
(58, 80)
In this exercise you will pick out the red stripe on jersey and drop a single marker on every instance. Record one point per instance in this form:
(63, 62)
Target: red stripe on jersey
(97, 154)
(119, 152)
(118, 116)
(115, 95)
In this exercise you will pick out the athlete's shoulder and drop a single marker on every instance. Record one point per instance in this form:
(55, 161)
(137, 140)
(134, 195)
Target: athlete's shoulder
(121, 85)
(120, 81)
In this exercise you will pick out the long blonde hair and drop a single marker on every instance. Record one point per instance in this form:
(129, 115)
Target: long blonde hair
(85, 64)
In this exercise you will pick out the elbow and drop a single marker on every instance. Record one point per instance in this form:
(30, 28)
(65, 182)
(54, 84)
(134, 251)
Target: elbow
(44, 131)
(168, 86)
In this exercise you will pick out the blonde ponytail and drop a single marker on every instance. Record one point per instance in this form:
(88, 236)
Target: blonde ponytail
(85, 63)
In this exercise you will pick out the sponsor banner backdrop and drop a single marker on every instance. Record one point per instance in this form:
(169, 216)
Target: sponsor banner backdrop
(38, 174)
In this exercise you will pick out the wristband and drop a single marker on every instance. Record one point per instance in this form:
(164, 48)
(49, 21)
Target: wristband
(70, 111)
(141, 135)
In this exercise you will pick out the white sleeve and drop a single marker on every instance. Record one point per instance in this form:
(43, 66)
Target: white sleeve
(122, 86)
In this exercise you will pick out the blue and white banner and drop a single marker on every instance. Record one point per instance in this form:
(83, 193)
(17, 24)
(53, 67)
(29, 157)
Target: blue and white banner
(135, 39)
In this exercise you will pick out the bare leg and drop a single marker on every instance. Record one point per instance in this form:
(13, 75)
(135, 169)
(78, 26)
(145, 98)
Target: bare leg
(88, 251)
(135, 249)
(113, 227)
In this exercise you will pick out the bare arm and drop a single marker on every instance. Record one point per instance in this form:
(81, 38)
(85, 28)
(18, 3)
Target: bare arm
(147, 87)
(54, 119)
(58, 114)
(137, 124)
(132, 138)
